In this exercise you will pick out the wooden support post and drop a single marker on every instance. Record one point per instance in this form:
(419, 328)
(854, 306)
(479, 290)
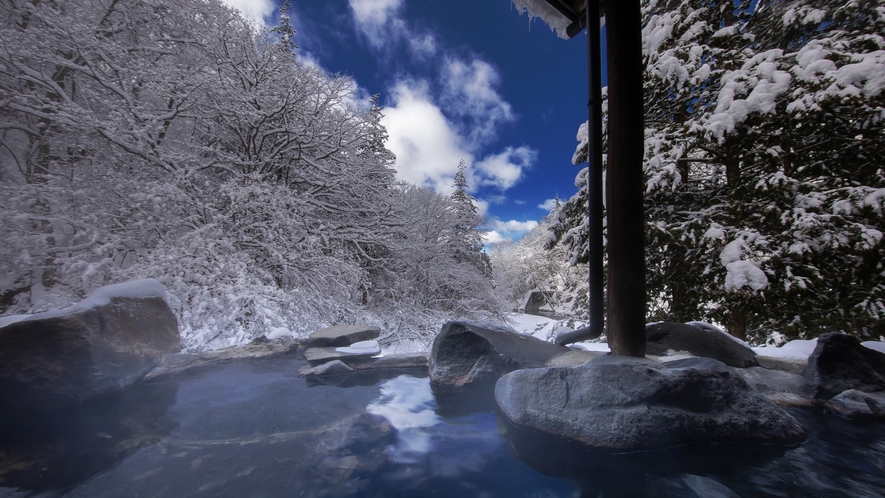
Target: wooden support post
(624, 192)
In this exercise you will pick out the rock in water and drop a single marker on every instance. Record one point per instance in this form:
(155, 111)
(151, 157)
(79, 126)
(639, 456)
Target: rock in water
(627, 404)
(839, 363)
(698, 340)
(858, 404)
(342, 336)
(104, 344)
(466, 353)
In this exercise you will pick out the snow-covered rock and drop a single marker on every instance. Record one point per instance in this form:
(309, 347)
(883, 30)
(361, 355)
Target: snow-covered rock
(628, 404)
(698, 339)
(468, 353)
(342, 335)
(839, 363)
(103, 344)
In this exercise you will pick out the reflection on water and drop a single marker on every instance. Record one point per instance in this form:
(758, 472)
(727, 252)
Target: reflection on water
(258, 429)
(408, 404)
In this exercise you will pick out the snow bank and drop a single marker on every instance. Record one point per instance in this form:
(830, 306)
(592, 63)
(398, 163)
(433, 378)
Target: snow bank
(534, 325)
(794, 350)
(875, 345)
(362, 347)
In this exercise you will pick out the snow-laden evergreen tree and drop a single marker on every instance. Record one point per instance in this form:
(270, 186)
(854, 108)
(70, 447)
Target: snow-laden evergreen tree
(467, 235)
(764, 176)
(285, 29)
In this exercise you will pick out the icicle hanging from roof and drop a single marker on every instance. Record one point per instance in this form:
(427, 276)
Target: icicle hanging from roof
(540, 8)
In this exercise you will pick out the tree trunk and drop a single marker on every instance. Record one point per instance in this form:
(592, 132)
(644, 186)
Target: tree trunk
(626, 230)
(738, 325)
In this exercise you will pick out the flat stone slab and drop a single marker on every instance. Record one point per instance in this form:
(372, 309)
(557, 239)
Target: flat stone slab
(173, 364)
(791, 365)
(362, 364)
(363, 349)
(621, 404)
(342, 335)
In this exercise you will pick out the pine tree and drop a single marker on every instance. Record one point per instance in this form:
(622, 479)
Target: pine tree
(467, 234)
(285, 29)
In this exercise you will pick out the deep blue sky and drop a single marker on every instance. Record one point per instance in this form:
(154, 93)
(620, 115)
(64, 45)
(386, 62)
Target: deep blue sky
(459, 79)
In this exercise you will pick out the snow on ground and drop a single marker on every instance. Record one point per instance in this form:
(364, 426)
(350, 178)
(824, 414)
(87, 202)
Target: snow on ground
(539, 326)
(592, 346)
(547, 328)
(877, 345)
(794, 350)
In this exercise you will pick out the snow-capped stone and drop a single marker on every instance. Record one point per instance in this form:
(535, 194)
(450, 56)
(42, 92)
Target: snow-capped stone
(370, 348)
(840, 363)
(342, 335)
(626, 404)
(698, 339)
(103, 344)
(468, 353)
(356, 351)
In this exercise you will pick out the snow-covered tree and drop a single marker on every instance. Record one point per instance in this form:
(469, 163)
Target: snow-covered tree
(177, 140)
(764, 133)
(527, 264)
(467, 235)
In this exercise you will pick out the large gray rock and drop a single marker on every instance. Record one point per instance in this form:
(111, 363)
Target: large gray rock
(840, 363)
(342, 336)
(104, 344)
(627, 404)
(697, 339)
(467, 353)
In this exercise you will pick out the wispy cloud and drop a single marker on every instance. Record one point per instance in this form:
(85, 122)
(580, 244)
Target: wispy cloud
(470, 91)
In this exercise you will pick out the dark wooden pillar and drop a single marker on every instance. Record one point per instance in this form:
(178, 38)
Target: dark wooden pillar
(624, 192)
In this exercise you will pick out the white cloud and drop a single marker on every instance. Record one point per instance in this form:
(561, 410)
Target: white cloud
(427, 147)
(493, 237)
(503, 231)
(255, 10)
(505, 169)
(470, 91)
(548, 205)
(513, 226)
(379, 20)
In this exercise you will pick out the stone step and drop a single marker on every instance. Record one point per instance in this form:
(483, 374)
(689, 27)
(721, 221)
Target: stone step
(363, 349)
(342, 335)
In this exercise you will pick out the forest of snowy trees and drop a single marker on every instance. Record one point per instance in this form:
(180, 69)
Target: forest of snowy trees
(176, 140)
(764, 166)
